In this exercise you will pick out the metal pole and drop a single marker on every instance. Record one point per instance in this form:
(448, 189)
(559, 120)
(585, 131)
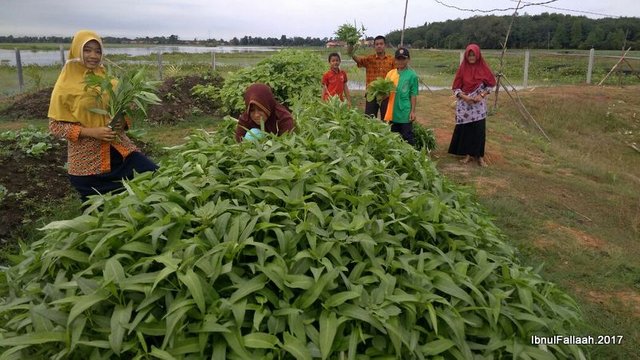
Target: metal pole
(160, 64)
(19, 67)
(62, 55)
(592, 53)
(406, 5)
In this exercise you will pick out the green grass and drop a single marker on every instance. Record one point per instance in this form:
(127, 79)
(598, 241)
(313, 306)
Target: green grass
(571, 204)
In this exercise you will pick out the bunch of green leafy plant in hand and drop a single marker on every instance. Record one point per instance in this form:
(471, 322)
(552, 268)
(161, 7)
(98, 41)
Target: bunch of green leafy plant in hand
(350, 34)
(128, 95)
(379, 89)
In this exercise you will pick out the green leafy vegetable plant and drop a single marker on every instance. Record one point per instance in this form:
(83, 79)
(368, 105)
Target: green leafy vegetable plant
(290, 74)
(425, 138)
(337, 241)
(350, 34)
(379, 89)
(128, 94)
(29, 140)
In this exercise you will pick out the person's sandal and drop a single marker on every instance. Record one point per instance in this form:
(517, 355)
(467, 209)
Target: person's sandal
(482, 163)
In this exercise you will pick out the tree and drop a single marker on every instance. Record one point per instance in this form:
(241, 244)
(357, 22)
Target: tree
(418, 44)
(560, 38)
(595, 38)
(576, 34)
(615, 40)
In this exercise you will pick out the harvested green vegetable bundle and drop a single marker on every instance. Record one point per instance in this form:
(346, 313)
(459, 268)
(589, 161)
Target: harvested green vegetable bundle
(379, 89)
(129, 94)
(350, 33)
(425, 139)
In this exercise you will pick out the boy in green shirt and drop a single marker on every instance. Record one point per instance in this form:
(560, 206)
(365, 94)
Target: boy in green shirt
(401, 111)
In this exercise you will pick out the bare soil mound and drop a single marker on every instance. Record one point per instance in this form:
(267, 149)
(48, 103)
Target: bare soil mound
(29, 106)
(29, 182)
(179, 102)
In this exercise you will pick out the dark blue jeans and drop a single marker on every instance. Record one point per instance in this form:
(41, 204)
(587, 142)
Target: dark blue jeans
(121, 169)
(405, 130)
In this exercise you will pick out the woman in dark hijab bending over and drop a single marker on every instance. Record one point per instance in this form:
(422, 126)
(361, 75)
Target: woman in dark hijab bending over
(262, 107)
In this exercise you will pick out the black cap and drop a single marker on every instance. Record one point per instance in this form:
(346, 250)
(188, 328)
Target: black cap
(402, 53)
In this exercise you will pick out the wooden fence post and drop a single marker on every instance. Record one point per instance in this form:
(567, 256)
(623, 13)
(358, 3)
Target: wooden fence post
(19, 67)
(62, 55)
(590, 68)
(525, 82)
(213, 60)
(160, 64)
(461, 56)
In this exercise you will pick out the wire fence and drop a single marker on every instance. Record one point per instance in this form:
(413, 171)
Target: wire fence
(436, 68)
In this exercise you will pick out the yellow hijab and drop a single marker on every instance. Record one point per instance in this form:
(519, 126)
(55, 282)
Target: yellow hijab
(70, 102)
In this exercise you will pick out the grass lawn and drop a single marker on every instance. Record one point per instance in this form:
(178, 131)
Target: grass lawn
(571, 205)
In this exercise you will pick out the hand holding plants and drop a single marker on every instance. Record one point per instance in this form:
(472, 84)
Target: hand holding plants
(350, 34)
(379, 89)
(129, 94)
(100, 133)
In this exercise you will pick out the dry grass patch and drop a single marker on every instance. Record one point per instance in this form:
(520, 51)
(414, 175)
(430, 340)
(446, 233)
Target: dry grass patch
(629, 300)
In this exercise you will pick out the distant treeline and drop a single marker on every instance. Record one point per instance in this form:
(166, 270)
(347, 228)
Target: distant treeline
(555, 31)
(175, 40)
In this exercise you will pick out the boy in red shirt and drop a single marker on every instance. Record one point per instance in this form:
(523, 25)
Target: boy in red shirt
(334, 81)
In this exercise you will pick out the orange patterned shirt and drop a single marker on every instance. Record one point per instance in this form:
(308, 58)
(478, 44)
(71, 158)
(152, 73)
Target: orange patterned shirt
(377, 67)
(87, 155)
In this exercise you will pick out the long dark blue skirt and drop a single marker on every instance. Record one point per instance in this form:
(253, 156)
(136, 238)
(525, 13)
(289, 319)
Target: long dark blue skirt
(121, 169)
(469, 139)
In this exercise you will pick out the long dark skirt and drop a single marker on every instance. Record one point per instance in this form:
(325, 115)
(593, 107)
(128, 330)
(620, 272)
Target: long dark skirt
(121, 169)
(469, 139)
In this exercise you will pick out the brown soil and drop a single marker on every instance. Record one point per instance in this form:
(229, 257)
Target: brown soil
(630, 300)
(29, 106)
(178, 103)
(31, 182)
(581, 238)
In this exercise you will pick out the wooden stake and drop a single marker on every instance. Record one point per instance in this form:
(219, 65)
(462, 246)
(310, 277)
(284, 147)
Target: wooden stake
(406, 5)
(504, 49)
(522, 109)
(614, 66)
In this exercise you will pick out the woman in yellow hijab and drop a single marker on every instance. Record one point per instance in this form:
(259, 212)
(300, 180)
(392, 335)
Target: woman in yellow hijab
(99, 157)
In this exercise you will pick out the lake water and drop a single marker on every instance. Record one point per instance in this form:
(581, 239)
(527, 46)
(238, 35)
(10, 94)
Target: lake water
(359, 85)
(51, 57)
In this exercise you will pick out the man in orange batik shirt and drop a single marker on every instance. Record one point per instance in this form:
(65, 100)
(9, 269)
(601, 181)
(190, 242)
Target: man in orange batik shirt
(377, 66)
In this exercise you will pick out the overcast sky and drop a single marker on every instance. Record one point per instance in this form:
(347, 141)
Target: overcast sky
(225, 19)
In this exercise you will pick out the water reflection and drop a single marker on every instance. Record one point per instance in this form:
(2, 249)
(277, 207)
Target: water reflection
(359, 85)
(51, 57)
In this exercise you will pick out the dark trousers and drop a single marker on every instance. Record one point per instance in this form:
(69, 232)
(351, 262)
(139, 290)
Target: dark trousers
(405, 130)
(371, 108)
(121, 169)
